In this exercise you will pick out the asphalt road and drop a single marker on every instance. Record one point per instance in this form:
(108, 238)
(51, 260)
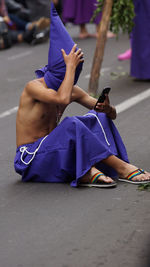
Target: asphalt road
(54, 225)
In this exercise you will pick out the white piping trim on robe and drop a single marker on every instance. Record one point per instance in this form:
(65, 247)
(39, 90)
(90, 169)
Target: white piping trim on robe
(23, 149)
(105, 136)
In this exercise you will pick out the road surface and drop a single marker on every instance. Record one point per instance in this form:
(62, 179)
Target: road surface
(54, 225)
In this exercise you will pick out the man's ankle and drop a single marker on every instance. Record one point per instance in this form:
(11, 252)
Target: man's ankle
(123, 169)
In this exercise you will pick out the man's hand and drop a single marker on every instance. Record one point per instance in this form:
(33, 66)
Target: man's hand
(74, 58)
(105, 107)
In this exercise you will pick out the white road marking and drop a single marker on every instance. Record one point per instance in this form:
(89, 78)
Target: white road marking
(125, 105)
(10, 80)
(132, 101)
(21, 55)
(13, 79)
(8, 112)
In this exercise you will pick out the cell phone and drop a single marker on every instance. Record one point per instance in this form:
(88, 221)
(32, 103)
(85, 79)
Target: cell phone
(102, 96)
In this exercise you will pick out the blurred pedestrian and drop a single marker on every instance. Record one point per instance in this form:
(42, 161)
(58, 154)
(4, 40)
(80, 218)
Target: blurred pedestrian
(139, 53)
(58, 5)
(18, 8)
(126, 55)
(22, 24)
(80, 12)
(17, 31)
(9, 37)
(140, 60)
(38, 8)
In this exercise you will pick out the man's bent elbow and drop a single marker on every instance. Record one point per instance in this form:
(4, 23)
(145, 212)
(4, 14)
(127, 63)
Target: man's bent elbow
(64, 101)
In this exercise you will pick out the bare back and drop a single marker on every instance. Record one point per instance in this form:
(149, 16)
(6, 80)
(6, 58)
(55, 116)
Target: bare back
(35, 119)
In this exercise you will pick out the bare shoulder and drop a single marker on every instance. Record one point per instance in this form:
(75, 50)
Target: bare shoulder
(26, 95)
(38, 90)
(34, 84)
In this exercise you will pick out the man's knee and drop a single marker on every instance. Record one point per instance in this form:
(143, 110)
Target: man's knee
(72, 121)
(70, 124)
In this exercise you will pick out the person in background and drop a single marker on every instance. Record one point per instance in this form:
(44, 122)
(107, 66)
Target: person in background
(139, 53)
(18, 8)
(21, 24)
(140, 60)
(12, 36)
(38, 8)
(17, 31)
(58, 5)
(126, 55)
(80, 12)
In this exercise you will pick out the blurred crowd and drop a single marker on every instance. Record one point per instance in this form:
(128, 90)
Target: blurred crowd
(23, 21)
(28, 21)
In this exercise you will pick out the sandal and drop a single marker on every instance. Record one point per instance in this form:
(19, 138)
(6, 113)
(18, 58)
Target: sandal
(96, 182)
(133, 174)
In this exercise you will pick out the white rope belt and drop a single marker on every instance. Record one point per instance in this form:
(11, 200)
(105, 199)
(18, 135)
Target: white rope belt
(23, 149)
(105, 136)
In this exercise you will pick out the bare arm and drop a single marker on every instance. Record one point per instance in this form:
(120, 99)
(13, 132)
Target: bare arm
(63, 96)
(81, 97)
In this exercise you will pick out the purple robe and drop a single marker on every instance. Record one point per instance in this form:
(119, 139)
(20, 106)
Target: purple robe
(70, 150)
(140, 61)
(79, 11)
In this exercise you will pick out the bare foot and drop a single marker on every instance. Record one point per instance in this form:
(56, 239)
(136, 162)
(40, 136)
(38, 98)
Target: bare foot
(101, 181)
(110, 34)
(93, 35)
(41, 24)
(84, 35)
(132, 174)
(83, 32)
(2, 46)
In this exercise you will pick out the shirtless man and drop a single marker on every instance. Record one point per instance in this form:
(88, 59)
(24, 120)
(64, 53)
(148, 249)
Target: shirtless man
(40, 110)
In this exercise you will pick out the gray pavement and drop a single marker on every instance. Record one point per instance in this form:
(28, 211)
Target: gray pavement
(54, 225)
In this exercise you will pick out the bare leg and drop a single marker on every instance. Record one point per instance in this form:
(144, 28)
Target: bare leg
(2, 46)
(124, 169)
(41, 24)
(83, 32)
(20, 38)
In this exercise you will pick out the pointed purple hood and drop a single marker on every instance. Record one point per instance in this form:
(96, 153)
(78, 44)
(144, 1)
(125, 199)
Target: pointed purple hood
(54, 72)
